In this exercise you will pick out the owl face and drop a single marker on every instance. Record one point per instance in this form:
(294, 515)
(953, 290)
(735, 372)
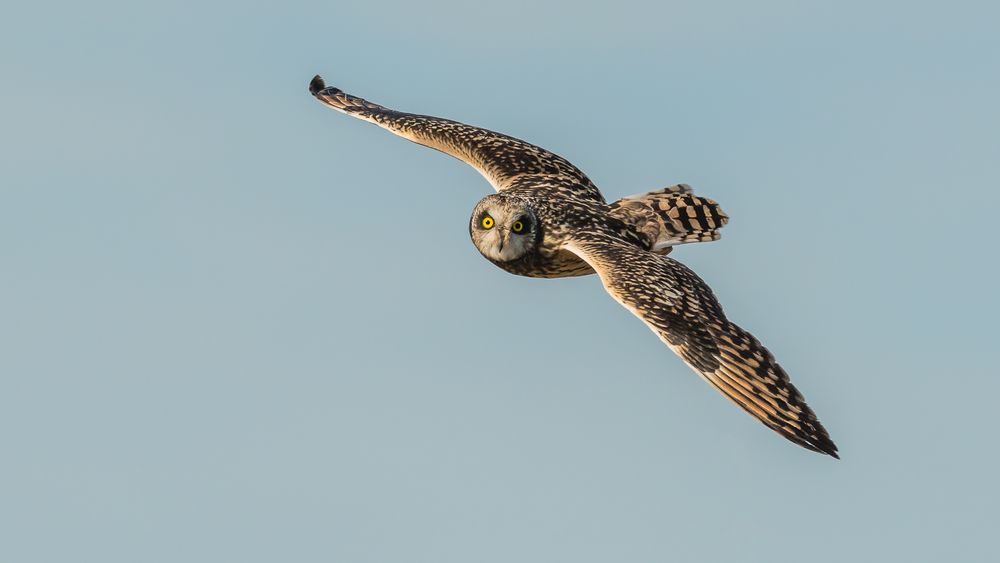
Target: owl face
(504, 228)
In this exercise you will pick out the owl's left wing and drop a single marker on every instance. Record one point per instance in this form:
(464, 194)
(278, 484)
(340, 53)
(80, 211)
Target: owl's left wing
(503, 160)
(681, 309)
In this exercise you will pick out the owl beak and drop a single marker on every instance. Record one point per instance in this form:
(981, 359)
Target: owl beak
(504, 237)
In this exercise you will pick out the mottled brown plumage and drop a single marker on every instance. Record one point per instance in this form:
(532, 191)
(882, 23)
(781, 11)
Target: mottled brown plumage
(671, 216)
(681, 309)
(503, 160)
(549, 220)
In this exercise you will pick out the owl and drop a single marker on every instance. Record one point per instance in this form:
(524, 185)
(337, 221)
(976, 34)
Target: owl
(549, 220)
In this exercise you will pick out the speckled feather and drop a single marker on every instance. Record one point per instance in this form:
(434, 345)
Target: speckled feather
(682, 310)
(671, 216)
(574, 232)
(501, 159)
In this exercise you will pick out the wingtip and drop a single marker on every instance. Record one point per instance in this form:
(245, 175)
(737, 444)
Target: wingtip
(316, 85)
(828, 448)
(821, 444)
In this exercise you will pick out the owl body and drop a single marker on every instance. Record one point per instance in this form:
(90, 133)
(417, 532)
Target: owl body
(654, 221)
(549, 220)
(549, 225)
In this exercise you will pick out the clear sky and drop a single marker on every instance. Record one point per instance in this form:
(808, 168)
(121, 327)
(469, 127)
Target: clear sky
(238, 326)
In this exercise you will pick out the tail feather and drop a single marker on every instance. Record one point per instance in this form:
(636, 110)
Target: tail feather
(671, 216)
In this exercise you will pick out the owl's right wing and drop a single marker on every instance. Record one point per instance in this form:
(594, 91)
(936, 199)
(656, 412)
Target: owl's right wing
(682, 310)
(503, 160)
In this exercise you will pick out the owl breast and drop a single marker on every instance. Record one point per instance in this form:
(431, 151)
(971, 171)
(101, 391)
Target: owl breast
(546, 263)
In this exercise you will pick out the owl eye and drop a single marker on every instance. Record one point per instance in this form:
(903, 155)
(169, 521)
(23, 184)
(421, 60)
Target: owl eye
(517, 227)
(487, 222)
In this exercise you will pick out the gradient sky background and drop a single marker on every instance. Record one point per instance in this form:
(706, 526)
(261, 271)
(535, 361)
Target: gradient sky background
(238, 326)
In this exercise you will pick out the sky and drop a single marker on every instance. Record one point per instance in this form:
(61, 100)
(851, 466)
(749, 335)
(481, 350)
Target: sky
(238, 326)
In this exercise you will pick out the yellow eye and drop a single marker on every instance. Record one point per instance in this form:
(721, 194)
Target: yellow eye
(487, 222)
(517, 226)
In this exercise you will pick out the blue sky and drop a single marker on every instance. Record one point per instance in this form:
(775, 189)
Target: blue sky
(238, 326)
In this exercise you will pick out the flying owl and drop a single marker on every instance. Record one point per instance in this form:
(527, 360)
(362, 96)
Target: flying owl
(549, 220)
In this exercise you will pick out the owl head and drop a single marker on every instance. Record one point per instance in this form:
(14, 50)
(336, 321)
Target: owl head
(504, 228)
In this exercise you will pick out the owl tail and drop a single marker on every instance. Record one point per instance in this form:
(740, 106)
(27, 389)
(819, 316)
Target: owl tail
(671, 216)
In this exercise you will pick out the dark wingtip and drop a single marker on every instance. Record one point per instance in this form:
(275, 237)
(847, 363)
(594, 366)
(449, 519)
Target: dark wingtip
(316, 85)
(829, 448)
(820, 444)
